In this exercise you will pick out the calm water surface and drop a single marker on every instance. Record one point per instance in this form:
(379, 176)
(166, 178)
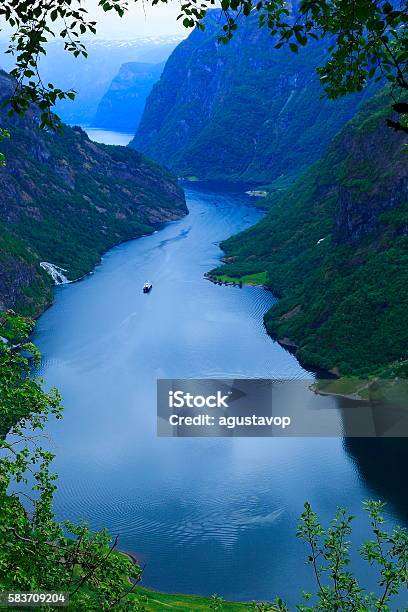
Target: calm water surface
(204, 515)
(108, 136)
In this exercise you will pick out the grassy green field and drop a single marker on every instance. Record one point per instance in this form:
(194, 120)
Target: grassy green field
(153, 601)
(346, 385)
(260, 278)
(143, 598)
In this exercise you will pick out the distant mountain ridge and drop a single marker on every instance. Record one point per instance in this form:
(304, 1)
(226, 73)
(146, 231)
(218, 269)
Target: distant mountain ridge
(65, 200)
(242, 111)
(123, 104)
(91, 77)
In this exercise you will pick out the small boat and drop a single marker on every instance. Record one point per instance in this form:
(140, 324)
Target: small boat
(147, 287)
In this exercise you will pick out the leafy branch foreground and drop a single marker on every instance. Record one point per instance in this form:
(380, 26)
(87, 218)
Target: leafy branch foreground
(37, 553)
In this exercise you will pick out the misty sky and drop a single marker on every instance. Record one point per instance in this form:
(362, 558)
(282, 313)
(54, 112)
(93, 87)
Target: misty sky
(159, 20)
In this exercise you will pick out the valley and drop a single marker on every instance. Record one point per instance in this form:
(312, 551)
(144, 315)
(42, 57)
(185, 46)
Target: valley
(240, 113)
(334, 248)
(66, 200)
(191, 508)
(206, 213)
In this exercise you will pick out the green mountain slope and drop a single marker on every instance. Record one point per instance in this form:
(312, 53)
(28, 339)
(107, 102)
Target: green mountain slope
(122, 106)
(66, 200)
(335, 248)
(240, 112)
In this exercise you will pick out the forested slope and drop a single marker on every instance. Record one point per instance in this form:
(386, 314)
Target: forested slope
(244, 111)
(66, 200)
(335, 248)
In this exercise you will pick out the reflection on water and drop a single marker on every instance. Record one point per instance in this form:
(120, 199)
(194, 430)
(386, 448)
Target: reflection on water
(205, 515)
(381, 464)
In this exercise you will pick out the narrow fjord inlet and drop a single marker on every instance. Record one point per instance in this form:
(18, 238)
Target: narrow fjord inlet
(203, 515)
(204, 306)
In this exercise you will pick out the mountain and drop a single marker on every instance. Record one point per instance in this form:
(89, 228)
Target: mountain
(90, 77)
(335, 249)
(65, 200)
(123, 104)
(242, 111)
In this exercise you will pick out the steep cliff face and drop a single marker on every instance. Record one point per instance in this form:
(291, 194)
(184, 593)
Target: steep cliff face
(65, 200)
(91, 76)
(335, 248)
(242, 111)
(122, 106)
(373, 177)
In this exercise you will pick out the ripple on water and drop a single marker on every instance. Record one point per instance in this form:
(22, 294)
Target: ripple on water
(207, 515)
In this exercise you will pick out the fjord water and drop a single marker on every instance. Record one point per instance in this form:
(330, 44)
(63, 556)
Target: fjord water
(205, 515)
(108, 137)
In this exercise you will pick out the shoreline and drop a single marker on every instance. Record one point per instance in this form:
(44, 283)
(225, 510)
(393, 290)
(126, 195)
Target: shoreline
(159, 600)
(155, 228)
(286, 343)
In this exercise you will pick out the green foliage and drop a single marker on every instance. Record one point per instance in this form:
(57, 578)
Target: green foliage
(329, 557)
(154, 601)
(66, 200)
(216, 603)
(328, 554)
(3, 134)
(35, 551)
(278, 606)
(336, 252)
(33, 25)
(21, 275)
(260, 278)
(22, 398)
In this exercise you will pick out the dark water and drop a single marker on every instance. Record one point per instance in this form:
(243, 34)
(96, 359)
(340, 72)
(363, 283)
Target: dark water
(204, 515)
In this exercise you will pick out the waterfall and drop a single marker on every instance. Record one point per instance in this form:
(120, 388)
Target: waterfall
(56, 273)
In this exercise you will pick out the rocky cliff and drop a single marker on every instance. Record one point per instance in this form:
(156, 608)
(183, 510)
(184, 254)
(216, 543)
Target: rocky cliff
(91, 76)
(65, 200)
(373, 177)
(242, 111)
(335, 248)
(122, 106)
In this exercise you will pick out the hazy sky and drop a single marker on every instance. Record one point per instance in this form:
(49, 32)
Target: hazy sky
(142, 19)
